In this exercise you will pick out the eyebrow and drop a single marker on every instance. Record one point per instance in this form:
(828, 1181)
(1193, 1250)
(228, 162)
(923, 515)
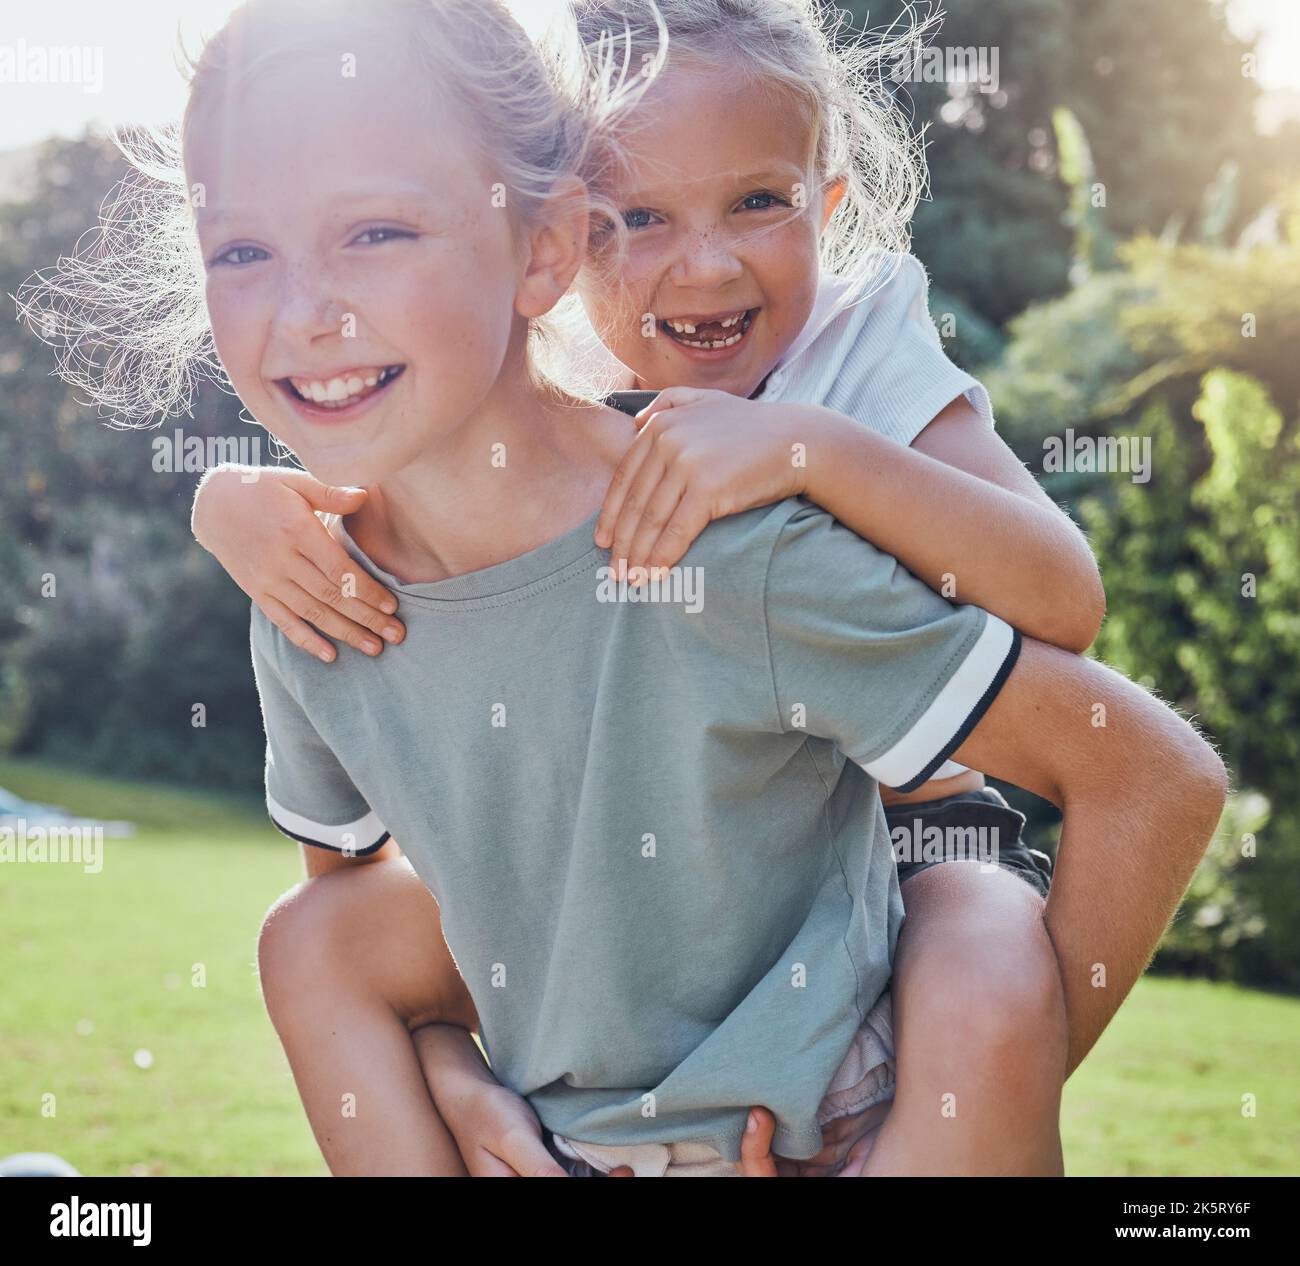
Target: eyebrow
(407, 194)
(770, 176)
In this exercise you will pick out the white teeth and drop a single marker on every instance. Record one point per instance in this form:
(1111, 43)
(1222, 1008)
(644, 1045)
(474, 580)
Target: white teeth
(339, 391)
(730, 321)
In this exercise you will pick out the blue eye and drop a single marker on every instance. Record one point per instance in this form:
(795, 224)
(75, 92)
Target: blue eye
(379, 236)
(633, 218)
(237, 256)
(768, 201)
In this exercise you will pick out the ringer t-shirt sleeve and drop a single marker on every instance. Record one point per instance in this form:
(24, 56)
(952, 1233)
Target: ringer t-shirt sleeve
(866, 655)
(891, 371)
(309, 796)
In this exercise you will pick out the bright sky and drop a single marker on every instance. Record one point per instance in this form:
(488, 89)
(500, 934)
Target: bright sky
(140, 79)
(1279, 51)
(140, 83)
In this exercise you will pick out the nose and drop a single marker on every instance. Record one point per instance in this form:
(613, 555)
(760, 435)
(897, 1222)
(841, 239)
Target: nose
(308, 308)
(708, 260)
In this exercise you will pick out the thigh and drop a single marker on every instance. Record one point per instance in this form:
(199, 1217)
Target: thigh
(971, 917)
(975, 969)
(980, 1029)
(385, 928)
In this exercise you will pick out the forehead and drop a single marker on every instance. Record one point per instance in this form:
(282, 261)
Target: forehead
(302, 120)
(701, 124)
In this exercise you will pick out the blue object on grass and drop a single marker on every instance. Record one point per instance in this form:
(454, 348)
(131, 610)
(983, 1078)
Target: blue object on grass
(36, 1165)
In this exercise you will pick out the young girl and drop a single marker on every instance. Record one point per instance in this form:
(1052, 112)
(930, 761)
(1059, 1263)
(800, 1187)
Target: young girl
(652, 829)
(731, 199)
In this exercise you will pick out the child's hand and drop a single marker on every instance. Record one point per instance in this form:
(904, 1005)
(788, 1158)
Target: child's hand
(756, 1159)
(846, 1144)
(265, 533)
(496, 1131)
(700, 455)
(498, 1134)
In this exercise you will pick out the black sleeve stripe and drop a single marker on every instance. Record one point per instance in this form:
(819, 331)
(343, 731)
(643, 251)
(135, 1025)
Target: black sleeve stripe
(976, 713)
(356, 852)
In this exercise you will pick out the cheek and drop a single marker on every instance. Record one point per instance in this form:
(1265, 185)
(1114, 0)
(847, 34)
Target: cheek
(457, 327)
(453, 331)
(616, 309)
(788, 250)
(236, 320)
(646, 260)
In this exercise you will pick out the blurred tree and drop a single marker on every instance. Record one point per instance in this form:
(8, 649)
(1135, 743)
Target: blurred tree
(1161, 93)
(1188, 347)
(117, 623)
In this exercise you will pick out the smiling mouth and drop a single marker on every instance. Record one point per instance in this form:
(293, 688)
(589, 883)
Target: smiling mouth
(724, 331)
(342, 390)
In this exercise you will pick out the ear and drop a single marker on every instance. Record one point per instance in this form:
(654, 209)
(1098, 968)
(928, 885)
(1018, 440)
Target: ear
(557, 247)
(832, 195)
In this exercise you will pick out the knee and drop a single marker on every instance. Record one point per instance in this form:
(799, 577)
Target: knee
(297, 942)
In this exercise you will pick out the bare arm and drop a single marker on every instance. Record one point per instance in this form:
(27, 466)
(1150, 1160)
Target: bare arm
(958, 504)
(1142, 794)
(260, 524)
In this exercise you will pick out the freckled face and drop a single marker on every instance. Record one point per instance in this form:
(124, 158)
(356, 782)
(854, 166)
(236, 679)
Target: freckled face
(360, 286)
(724, 221)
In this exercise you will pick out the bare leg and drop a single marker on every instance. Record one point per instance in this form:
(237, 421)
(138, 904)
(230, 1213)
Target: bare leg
(980, 1030)
(351, 961)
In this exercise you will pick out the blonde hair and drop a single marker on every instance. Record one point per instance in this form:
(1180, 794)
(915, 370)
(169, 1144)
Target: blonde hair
(862, 136)
(126, 311)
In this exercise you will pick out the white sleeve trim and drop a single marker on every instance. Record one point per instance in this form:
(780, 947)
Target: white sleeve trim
(950, 769)
(360, 837)
(943, 726)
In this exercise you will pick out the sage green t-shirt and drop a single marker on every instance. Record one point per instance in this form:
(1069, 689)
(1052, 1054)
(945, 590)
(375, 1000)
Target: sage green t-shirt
(652, 826)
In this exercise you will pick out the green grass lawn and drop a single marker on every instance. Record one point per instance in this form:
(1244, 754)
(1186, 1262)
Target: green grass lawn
(97, 967)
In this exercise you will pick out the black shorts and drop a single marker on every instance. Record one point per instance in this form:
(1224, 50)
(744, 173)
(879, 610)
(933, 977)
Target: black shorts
(972, 825)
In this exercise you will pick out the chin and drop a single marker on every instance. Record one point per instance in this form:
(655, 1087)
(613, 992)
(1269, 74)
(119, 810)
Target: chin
(352, 465)
(341, 469)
